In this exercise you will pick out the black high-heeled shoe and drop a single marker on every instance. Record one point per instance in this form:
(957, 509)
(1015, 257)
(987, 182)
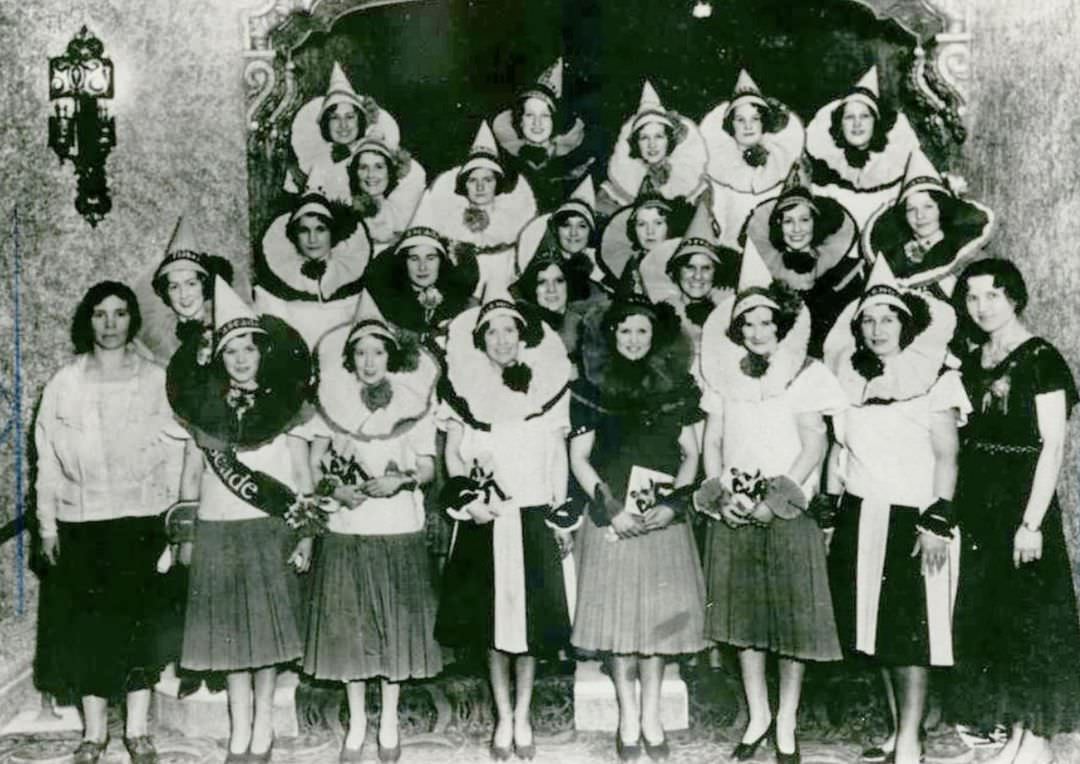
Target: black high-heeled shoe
(626, 751)
(788, 758)
(744, 751)
(658, 751)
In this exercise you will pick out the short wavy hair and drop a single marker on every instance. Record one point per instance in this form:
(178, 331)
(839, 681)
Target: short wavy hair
(560, 119)
(529, 332)
(883, 123)
(784, 318)
(503, 182)
(324, 120)
(635, 152)
(773, 119)
(395, 357)
(82, 329)
(218, 266)
(828, 217)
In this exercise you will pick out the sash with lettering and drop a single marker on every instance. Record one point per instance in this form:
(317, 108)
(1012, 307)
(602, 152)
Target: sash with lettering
(265, 493)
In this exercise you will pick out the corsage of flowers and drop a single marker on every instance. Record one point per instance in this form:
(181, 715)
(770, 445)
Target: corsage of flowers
(307, 516)
(476, 219)
(756, 155)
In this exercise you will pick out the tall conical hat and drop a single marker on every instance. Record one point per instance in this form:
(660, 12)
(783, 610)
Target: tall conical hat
(181, 252)
(649, 196)
(232, 317)
(754, 282)
(650, 110)
(702, 235)
(866, 91)
(881, 288)
(581, 202)
(746, 90)
(920, 175)
(796, 190)
(548, 86)
(483, 152)
(369, 321)
(340, 91)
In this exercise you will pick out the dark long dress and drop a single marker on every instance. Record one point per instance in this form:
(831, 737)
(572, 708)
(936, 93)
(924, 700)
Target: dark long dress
(1017, 638)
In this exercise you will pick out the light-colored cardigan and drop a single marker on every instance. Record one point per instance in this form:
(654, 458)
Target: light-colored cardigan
(74, 482)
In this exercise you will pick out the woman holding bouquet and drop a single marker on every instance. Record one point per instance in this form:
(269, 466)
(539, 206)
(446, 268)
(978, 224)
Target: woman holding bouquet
(506, 414)
(373, 604)
(245, 471)
(764, 446)
(633, 451)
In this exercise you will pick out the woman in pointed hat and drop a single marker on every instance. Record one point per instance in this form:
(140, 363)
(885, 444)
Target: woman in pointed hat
(808, 242)
(634, 454)
(1017, 640)
(894, 556)
(372, 608)
(506, 414)
(693, 274)
(421, 284)
(858, 146)
(480, 209)
(765, 441)
(656, 143)
(930, 233)
(752, 141)
(309, 268)
(326, 133)
(247, 474)
(635, 230)
(385, 184)
(104, 460)
(543, 139)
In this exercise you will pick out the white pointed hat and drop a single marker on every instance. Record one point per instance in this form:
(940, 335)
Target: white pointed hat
(495, 302)
(650, 110)
(754, 282)
(181, 252)
(548, 85)
(232, 317)
(483, 152)
(881, 288)
(796, 190)
(581, 202)
(746, 90)
(340, 91)
(369, 322)
(866, 91)
(702, 235)
(920, 175)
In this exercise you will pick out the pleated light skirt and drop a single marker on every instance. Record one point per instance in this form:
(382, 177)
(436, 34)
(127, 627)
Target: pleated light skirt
(243, 598)
(642, 595)
(372, 609)
(768, 589)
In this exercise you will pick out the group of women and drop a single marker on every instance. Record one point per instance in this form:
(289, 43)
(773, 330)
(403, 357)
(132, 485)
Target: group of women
(821, 372)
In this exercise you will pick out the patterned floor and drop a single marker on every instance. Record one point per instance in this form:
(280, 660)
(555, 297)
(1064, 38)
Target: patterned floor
(450, 719)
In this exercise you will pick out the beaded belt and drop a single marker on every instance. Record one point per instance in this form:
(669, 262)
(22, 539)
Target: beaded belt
(990, 447)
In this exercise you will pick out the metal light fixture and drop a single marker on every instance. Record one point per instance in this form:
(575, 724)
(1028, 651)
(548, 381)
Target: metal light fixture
(81, 129)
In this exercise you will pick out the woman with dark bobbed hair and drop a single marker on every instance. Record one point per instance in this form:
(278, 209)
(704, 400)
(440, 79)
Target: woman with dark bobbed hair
(765, 441)
(102, 488)
(309, 268)
(930, 233)
(658, 144)
(858, 146)
(1017, 638)
(808, 242)
(386, 184)
(895, 554)
(543, 140)
(635, 230)
(480, 208)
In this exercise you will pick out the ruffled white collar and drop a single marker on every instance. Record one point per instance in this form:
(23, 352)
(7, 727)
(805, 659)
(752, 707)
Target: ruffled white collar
(344, 266)
(728, 167)
(883, 168)
(686, 165)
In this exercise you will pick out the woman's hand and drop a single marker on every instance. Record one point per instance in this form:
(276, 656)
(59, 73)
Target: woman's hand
(761, 515)
(50, 547)
(300, 559)
(383, 487)
(934, 550)
(565, 540)
(627, 525)
(1027, 546)
(351, 496)
(658, 517)
(734, 513)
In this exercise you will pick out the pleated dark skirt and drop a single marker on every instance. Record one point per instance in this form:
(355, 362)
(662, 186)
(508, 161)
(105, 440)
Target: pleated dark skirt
(768, 589)
(243, 598)
(642, 595)
(466, 616)
(372, 609)
(102, 610)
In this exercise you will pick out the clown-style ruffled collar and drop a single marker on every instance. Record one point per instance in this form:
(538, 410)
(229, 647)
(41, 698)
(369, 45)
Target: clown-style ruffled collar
(883, 168)
(446, 211)
(685, 165)
(559, 145)
(909, 374)
(727, 161)
(722, 361)
(279, 266)
(475, 388)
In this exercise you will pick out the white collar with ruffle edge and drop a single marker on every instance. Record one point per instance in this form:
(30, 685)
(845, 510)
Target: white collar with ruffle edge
(511, 142)
(883, 169)
(345, 265)
(727, 165)
(687, 162)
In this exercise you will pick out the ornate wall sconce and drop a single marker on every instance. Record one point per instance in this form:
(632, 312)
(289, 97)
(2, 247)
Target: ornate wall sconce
(81, 129)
